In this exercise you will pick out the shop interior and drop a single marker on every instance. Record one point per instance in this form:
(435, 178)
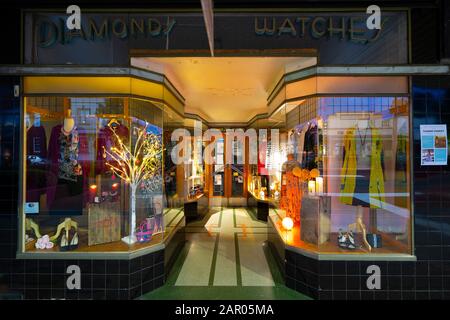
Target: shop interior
(332, 175)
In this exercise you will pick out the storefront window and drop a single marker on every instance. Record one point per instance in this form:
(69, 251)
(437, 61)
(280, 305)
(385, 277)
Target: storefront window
(194, 171)
(345, 178)
(93, 174)
(219, 169)
(173, 173)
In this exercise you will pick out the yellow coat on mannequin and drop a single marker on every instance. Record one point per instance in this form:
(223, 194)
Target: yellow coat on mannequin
(350, 168)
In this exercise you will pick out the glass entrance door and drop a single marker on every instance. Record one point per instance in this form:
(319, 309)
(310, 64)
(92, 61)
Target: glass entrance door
(228, 179)
(237, 180)
(218, 179)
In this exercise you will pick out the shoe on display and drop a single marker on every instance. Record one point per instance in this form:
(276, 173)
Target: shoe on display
(64, 245)
(342, 239)
(74, 242)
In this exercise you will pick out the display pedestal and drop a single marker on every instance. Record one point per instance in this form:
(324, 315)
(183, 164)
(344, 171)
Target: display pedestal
(262, 210)
(191, 210)
(104, 222)
(315, 219)
(261, 206)
(191, 207)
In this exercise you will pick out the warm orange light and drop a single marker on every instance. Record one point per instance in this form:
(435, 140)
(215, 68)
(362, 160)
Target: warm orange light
(297, 172)
(287, 223)
(93, 187)
(314, 173)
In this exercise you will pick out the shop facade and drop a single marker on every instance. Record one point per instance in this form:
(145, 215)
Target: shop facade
(349, 169)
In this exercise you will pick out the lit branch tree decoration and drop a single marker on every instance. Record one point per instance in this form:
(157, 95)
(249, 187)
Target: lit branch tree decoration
(135, 165)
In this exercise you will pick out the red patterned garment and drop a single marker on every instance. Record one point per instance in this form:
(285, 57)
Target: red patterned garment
(64, 154)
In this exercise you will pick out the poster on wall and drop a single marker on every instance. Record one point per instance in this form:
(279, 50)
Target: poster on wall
(218, 180)
(434, 147)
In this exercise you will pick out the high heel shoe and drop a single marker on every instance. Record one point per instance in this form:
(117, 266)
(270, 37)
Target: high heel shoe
(74, 242)
(64, 246)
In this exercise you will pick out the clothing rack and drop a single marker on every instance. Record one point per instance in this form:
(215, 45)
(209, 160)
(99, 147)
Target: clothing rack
(44, 113)
(313, 122)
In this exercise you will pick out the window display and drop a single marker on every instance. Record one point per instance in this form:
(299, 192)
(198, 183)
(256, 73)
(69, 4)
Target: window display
(265, 177)
(194, 171)
(345, 183)
(93, 174)
(173, 173)
(173, 177)
(219, 169)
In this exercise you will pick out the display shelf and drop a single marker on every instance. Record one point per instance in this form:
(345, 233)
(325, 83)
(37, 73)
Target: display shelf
(292, 238)
(258, 198)
(105, 247)
(195, 198)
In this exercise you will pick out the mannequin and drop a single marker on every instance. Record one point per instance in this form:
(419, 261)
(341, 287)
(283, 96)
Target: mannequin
(66, 225)
(362, 182)
(364, 153)
(69, 122)
(68, 150)
(363, 124)
(363, 139)
(359, 226)
(31, 225)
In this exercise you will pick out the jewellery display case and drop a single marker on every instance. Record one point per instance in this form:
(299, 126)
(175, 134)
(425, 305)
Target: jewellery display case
(264, 179)
(195, 199)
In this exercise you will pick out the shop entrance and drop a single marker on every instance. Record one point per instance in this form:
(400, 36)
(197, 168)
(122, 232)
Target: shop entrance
(227, 247)
(225, 93)
(332, 172)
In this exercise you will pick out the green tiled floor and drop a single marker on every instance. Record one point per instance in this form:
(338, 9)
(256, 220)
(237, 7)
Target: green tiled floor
(225, 257)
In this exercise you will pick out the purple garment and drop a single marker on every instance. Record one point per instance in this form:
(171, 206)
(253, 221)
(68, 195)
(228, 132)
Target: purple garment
(36, 163)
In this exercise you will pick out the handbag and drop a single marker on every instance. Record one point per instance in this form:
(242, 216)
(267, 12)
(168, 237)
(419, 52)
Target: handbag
(374, 240)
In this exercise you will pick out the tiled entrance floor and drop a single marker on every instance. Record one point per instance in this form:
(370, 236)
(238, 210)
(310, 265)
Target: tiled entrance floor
(225, 257)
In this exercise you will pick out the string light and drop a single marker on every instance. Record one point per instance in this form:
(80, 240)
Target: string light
(135, 165)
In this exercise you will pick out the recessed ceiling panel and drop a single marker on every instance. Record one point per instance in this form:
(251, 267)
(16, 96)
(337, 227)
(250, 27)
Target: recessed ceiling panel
(224, 89)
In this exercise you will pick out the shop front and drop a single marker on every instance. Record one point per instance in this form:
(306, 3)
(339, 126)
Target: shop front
(336, 120)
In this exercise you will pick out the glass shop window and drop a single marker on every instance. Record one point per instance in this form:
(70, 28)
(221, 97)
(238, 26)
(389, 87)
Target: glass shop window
(346, 177)
(219, 169)
(173, 173)
(194, 171)
(93, 175)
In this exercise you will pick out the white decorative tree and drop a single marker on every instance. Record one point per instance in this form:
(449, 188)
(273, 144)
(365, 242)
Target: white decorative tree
(135, 165)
